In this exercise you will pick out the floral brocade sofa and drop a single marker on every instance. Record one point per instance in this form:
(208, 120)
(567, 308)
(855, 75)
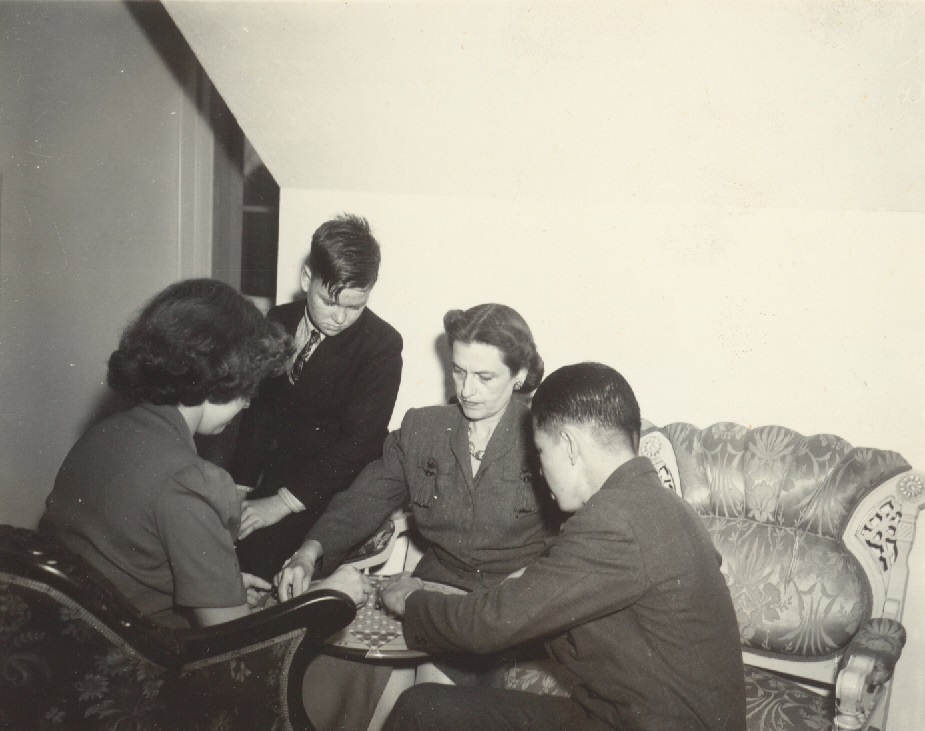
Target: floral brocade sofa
(815, 536)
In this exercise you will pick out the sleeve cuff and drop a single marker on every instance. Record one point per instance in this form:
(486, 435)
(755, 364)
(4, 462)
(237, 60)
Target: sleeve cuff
(292, 502)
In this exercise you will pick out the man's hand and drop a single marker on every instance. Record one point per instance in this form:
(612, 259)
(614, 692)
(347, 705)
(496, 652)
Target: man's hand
(395, 591)
(257, 514)
(348, 580)
(296, 574)
(256, 587)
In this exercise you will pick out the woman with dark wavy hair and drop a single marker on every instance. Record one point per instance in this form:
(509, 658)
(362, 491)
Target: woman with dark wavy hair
(133, 497)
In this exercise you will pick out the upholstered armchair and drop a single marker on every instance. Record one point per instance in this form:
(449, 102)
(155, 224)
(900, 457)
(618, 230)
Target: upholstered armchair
(815, 536)
(75, 655)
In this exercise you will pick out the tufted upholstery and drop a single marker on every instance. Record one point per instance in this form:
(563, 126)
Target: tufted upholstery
(815, 535)
(776, 504)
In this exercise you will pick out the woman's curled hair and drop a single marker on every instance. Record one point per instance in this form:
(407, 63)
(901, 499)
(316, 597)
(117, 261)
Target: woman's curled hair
(197, 340)
(504, 328)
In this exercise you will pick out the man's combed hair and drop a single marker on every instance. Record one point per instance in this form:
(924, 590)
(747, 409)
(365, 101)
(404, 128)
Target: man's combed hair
(197, 340)
(592, 394)
(344, 254)
(504, 328)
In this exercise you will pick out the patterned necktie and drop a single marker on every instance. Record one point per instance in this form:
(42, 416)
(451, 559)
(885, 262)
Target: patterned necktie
(299, 363)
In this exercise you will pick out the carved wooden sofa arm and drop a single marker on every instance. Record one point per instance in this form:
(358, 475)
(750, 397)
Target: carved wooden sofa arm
(867, 666)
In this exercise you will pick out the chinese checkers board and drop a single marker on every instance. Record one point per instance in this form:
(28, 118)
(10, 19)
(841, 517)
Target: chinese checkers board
(375, 634)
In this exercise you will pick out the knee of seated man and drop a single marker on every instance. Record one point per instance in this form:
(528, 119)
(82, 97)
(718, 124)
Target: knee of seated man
(420, 702)
(429, 694)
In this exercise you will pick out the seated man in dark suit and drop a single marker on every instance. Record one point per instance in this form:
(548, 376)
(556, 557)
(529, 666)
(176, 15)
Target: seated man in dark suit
(312, 429)
(629, 597)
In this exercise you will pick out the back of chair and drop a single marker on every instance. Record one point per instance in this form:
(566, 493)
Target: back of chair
(41, 563)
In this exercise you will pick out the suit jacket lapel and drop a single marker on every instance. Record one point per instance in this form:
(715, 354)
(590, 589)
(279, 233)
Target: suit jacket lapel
(459, 444)
(329, 350)
(504, 437)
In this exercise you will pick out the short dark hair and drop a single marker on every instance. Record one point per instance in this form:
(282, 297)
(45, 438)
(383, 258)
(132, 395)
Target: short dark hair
(344, 254)
(502, 327)
(197, 340)
(592, 394)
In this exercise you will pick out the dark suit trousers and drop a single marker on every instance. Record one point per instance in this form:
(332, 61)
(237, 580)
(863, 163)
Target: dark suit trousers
(459, 708)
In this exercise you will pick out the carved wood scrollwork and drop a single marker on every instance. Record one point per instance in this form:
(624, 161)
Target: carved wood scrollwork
(879, 533)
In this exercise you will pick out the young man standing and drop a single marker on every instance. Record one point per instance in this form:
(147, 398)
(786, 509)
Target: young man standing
(629, 597)
(311, 430)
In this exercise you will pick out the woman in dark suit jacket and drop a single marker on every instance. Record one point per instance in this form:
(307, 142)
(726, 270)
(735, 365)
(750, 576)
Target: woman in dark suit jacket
(466, 469)
(468, 472)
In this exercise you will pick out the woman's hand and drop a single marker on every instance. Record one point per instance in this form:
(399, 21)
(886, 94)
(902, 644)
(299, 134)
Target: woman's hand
(256, 587)
(395, 591)
(348, 580)
(257, 514)
(296, 574)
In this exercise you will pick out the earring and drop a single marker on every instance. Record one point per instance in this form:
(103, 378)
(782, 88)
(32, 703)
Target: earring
(518, 385)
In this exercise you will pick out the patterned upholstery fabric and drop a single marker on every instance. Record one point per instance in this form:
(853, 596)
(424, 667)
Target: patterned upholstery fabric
(374, 545)
(776, 504)
(794, 593)
(64, 672)
(773, 703)
(535, 676)
(68, 671)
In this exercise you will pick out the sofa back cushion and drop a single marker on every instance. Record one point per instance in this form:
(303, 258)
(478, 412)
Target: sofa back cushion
(776, 504)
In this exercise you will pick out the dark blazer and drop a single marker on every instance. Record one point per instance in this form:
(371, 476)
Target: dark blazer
(632, 602)
(478, 528)
(315, 437)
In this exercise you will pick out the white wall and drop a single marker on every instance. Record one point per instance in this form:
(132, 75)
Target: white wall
(777, 316)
